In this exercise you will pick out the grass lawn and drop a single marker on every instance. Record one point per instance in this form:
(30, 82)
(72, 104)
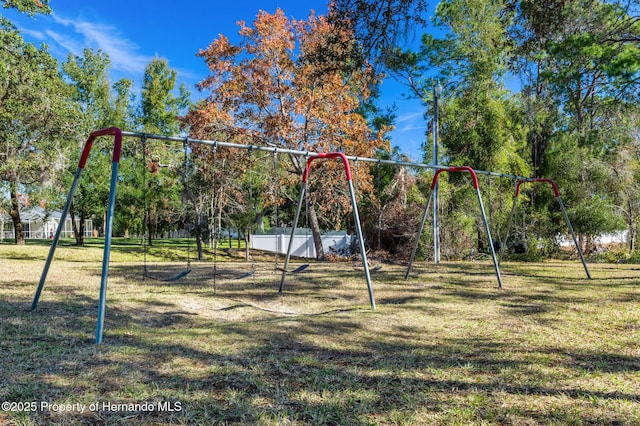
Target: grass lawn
(445, 347)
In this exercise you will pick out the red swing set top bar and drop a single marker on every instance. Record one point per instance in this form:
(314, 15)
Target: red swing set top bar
(468, 169)
(549, 181)
(117, 144)
(341, 155)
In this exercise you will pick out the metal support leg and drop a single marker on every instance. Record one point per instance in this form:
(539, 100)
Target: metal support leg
(573, 234)
(54, 243)
(436, 226)
(356, 218)
(415, 246)
(107, 251)
(486, 227)
(303, 191)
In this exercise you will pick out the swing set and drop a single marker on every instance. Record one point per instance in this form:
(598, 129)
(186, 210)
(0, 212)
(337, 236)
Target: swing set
(476, 186)
(117, 134)
(519, 247)
(304, 188)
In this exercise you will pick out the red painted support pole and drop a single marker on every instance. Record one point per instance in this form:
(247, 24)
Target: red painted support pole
(117, 148)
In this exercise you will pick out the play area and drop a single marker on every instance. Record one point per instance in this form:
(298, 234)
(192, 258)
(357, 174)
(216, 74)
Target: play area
(301, 160)
(341, 213)
(191, 332)
(445, 346)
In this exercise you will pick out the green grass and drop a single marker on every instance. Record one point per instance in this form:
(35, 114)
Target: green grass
(126, 250)
(445, 347)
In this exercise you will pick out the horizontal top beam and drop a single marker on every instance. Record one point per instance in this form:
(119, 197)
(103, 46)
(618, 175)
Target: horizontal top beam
(308, 153)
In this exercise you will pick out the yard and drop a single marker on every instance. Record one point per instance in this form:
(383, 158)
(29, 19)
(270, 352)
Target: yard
(444, 347)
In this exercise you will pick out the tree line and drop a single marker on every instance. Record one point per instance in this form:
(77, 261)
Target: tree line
(541, 89)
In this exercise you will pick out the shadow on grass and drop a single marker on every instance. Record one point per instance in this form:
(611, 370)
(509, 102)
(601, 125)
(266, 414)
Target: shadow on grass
(285, 365)
(351, 366)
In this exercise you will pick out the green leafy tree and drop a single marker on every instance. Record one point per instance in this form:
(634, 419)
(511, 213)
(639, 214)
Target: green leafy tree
(100, 106)
(481, 124)
(159, 107)
(30, 7)
(35, 120)
(159, 113)
(580, 64)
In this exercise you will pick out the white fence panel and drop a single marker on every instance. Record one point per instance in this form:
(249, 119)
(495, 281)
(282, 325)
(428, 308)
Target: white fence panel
(302, 245)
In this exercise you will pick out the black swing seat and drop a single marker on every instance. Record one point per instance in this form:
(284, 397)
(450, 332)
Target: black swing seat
(245, 275)
(301, 268)
(170, 279)
(298, 269)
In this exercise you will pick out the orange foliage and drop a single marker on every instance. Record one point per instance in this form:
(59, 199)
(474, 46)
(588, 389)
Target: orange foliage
(290, 84)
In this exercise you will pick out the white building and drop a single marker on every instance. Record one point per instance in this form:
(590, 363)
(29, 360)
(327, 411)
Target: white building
(38, 223)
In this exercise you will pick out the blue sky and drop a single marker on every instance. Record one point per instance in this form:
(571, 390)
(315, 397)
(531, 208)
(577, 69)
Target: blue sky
(133, 33)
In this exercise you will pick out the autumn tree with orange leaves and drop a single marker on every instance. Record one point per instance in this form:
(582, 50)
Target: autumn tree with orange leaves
(296, 85)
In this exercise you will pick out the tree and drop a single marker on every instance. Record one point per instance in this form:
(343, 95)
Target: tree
(580, 65)
(159, 107)
(34, 121)
(159, 113)
(378, 25)
(625, 190)
(30, 7)
(99, 107)
(285, 85)
(481, 124)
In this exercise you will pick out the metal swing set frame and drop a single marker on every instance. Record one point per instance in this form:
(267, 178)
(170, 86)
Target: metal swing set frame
(118, 135)
(476, 186)
(556, 193)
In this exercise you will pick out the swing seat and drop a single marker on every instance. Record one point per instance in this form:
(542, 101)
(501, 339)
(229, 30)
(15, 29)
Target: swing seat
(371, 269)
(295, 271)
(300, 268)
(170, 279)
(246, 275)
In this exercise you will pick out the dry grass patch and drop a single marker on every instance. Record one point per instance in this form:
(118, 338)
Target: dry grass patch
(444, 347)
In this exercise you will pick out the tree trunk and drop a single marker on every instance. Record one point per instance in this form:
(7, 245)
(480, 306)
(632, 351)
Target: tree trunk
(81, 229)
(14, 212)
(246, 244)
(312, 217)
(77, 233)
(199, 246)
(631, 226)
(315, 231)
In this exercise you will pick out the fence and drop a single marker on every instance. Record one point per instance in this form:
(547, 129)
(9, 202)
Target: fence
(302, 244)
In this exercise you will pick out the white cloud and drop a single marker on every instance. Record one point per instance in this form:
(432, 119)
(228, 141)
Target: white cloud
(123, 53)
(410, 122)
(66, 41)
(39, 35)
(410, 117)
